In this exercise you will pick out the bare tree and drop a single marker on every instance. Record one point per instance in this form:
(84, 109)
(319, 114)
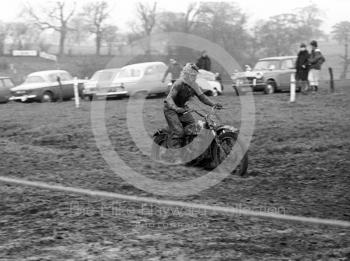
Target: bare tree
(190, 17)
(179, 22)
(3, 34)
(279, 34)
(110, 36)
(224, 23)
(23, 35)
(96, 13)
(341, 33)
(78, 33)
(56, 16)
(311, 20)
(147, 15)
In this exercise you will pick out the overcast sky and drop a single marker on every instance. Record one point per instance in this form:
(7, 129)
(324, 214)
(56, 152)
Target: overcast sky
(124, 10)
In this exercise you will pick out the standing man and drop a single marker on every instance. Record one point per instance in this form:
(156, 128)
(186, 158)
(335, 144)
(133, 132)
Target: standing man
(204, 61)
(175, 69)
(302, 68)
(316, 60)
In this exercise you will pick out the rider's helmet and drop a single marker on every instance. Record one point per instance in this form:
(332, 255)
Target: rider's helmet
(190, 68)
(189, 73)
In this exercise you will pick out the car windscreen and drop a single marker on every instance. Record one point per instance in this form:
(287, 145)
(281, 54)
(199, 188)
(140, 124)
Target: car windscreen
(53, 77)
(267, 65)
(65, 76)
(8, 83)
(103, 76)
(34, 79)
(129, 72)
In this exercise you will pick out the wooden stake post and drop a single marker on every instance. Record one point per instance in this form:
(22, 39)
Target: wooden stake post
(292, 87)
(331, 79)
(76, 93)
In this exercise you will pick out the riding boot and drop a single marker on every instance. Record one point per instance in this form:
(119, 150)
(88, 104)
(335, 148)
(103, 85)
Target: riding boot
(173, 154)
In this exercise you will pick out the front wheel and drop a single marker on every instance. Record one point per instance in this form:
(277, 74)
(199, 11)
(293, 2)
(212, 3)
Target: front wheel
(220, 151)
(270, 87)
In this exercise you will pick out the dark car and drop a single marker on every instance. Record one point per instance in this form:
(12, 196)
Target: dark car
(46, 86)
(269, 75)
(5, 85)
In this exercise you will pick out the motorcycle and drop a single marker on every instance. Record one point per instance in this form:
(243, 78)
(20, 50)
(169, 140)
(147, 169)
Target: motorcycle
(224, 137)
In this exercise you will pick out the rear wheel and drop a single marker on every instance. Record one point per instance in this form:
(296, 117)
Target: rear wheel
(221, 151)
(47, 97)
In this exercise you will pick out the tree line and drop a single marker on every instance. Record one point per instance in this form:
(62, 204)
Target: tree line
(223, 23)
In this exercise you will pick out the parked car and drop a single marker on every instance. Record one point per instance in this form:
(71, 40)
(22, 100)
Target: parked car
(101, 82)
(5, 85)
(209, 83)
(46, 86)
(138, 78)
(270, 75)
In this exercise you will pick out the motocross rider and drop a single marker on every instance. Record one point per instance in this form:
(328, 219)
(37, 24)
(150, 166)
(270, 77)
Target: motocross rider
(175, 109)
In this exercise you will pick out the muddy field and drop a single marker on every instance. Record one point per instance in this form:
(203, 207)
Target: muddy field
(299, 165)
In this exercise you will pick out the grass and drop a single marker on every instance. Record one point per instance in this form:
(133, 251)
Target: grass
(299, 163)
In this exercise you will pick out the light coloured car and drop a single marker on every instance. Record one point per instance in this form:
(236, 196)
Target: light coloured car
(271, 74)
(5, 85)
(46, 86)
(145, 78)
(101, 83)
(209, 83)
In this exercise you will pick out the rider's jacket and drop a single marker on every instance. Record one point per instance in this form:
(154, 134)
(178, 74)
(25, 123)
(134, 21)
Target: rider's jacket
(181, 92)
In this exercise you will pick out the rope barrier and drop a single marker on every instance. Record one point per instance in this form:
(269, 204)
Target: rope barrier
(215, 209)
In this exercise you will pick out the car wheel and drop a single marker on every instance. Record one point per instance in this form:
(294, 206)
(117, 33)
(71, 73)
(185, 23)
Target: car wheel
(47, 97)
(270, 87)
(88, 97)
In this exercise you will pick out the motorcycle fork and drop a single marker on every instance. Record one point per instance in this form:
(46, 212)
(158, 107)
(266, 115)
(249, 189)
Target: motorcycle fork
(219, 144)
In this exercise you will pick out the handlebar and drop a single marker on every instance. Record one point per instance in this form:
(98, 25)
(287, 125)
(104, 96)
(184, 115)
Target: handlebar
(213, 109)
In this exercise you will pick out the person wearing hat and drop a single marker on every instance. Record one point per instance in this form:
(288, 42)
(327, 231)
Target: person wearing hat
(302, 68)
(174, 68)
(175, 109)
(316, 60)
(204, 61)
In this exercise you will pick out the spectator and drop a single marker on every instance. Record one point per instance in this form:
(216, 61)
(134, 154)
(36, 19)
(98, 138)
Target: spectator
(175, 69)
(316, 60)
(302, 68)
(247, 68)
(204, 61)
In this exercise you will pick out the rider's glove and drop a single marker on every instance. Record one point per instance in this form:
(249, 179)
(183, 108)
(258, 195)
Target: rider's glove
(180, 110)
(218, 106)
